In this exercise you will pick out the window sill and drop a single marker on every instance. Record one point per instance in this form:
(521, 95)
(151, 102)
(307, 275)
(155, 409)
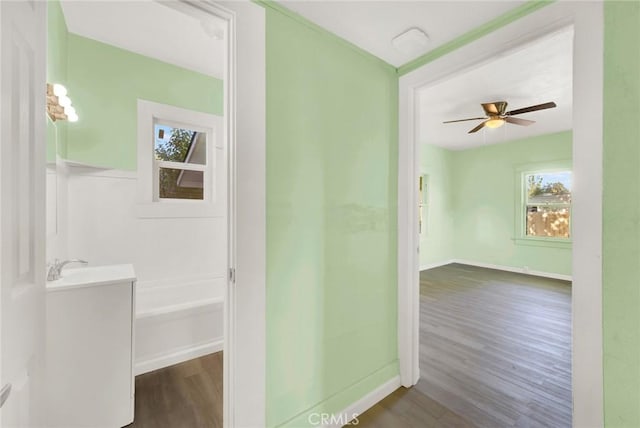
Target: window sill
(544, 242)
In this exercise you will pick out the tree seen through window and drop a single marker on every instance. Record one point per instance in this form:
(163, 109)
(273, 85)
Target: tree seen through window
(548, 204)
(176, 145)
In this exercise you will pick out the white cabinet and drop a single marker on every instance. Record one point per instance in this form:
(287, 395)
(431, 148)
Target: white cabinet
(90, 320)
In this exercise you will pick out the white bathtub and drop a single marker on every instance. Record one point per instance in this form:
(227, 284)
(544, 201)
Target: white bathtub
(177, 321)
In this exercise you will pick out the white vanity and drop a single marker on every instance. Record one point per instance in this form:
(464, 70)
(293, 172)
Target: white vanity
(90, 343)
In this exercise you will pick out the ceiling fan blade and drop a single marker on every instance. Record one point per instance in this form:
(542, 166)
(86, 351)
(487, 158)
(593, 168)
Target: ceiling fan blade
(464, 120)
(531, 108)
(477, 128)
(490, 109)
(495, 109)
(518, 121)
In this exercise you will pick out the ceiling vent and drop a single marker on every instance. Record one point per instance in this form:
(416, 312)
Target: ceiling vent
(411, 42)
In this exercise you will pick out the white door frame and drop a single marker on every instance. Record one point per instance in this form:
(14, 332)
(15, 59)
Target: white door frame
(244, 348)
(587, 20)
(245, 303)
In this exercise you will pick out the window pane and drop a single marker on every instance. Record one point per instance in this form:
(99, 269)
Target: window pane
(548, 222)
(181, 184)
(180, 145)
(549, 188)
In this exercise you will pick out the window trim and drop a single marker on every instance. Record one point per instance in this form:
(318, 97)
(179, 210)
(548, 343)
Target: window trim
(149, 204)
(520, 236)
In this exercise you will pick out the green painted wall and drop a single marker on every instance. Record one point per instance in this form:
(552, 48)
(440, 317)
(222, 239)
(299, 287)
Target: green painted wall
(331, 222)
(484, 183)
(471, 207)
(105, 82)
(56, 73)
(621, 214)
(437, 238)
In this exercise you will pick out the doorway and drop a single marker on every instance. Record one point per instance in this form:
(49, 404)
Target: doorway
(245, 125)
(587, 131)
(140, 166)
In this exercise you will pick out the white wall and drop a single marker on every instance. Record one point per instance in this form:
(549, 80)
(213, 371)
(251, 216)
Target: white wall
(56, 211)
(180, 263)
(103, 228)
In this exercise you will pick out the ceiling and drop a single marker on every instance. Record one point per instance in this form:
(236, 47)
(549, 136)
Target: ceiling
(151, 29)
(371, 25)
(539, 72)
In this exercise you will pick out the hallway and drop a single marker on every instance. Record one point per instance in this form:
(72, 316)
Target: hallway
(495, 348)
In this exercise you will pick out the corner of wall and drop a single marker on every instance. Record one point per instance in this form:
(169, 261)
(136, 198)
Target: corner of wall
(478, 32)
(472, 194)
(57, 36)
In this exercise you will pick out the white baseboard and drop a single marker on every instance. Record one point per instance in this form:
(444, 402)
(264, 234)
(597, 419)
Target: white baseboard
(515, 269)
(499, 267)
(178, 356)
(365, 403)
(436, 264)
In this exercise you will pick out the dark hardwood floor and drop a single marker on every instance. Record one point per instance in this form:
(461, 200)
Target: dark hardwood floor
(187, 395)
(495, 351)
(410, 408)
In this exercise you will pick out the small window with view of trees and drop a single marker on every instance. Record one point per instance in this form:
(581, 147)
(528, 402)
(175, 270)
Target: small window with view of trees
(180, 162)
(547, 204)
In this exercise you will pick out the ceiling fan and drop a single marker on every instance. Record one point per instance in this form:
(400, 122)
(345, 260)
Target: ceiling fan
(496, 115)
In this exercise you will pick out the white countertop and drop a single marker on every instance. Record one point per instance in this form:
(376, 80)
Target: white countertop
(92, 276)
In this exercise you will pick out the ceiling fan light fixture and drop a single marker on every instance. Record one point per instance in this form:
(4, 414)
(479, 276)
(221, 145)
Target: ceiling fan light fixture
(494, 122)
(496, 115)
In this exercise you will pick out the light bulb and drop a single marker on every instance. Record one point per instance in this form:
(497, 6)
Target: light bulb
(69, 110)
(494, 122)
(73, 117)
(59, 90)
(64, 101)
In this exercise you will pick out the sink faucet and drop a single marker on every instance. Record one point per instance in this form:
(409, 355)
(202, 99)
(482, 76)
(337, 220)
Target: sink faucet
(56, 268)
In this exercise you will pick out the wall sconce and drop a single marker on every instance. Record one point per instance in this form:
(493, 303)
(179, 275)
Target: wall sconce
(59, 104)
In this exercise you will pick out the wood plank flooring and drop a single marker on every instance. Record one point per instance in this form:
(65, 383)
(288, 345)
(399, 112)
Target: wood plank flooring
(495, 351)
(186, 395)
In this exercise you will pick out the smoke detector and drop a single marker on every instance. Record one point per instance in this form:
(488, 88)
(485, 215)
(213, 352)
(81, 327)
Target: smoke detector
(412, 41)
